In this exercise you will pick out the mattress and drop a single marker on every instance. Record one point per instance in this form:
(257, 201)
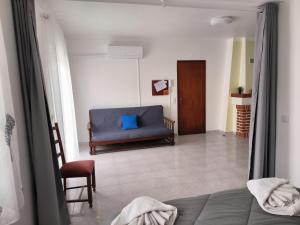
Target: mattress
(233, 207)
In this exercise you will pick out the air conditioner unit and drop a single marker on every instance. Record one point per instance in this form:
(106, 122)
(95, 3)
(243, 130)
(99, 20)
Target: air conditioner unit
(125, 52)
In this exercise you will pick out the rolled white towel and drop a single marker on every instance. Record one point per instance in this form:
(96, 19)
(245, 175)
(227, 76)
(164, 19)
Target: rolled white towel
(160, 220)
(295, 208)
(278, 200)
(276, 196)
(146, 211)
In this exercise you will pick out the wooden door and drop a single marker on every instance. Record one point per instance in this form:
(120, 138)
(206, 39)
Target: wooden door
(191, 97)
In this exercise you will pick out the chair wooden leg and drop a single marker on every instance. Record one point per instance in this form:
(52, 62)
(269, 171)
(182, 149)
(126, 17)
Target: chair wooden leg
(94, 180)
(65, 185)
(89, 190)
(91, 149)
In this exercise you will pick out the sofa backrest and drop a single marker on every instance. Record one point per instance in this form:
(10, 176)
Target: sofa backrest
(104, 119)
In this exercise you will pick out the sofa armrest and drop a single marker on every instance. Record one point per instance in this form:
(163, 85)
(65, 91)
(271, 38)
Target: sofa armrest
(169, 123)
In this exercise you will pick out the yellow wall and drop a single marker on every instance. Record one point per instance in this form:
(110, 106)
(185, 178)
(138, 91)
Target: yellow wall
(234, 80)
(241, 54)
(249, 66)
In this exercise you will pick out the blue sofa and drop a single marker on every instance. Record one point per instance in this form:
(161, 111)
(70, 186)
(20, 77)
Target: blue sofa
(105, 126)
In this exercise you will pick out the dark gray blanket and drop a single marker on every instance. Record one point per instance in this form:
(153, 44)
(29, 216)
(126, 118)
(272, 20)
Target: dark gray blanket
(233, 207)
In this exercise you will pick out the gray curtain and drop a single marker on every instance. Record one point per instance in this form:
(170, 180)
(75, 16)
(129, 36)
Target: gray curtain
(49, 200)
(262, 137)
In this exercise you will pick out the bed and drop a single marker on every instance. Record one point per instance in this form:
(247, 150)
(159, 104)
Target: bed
(233, 207)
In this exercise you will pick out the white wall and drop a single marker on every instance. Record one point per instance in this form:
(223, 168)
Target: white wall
(102, 82)
(288, 148)
(9, 39)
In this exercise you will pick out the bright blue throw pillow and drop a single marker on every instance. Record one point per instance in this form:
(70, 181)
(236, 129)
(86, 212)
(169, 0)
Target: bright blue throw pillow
(129, 122)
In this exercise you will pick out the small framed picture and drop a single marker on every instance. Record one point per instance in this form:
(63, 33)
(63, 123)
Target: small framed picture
(160, 87)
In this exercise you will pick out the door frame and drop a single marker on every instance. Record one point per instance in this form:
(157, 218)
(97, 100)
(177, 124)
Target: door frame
(178, 104)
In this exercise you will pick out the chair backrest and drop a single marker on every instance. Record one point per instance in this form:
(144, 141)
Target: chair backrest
(58, 142)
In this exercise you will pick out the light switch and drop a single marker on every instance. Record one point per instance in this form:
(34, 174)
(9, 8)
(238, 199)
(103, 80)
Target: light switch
(285, 118)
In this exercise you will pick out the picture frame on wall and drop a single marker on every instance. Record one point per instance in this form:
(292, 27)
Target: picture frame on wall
(160, 87)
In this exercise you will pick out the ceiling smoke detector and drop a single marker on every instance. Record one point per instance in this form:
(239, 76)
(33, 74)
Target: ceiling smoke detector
(221, 20)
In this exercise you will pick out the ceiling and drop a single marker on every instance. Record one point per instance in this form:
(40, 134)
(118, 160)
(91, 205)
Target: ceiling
(147, 19)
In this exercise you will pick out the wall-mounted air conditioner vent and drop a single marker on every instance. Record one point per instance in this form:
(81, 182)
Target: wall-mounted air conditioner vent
(125, 52)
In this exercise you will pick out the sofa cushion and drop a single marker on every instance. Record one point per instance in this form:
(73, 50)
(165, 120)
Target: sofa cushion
(113, 134)
(129, 122)
(117, 134)
(150, 131)
(151, 115)
(106, 119)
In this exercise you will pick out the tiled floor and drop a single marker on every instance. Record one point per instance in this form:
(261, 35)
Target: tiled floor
(196, 165)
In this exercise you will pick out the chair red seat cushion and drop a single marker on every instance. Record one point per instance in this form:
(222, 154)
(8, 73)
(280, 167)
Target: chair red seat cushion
(82, 168)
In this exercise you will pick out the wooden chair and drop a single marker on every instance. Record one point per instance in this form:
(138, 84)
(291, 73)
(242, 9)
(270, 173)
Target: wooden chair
(76, 169)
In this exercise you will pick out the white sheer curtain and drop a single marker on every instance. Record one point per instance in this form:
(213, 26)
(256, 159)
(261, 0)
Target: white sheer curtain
(9, 210)
(11, 196)
(58, 81)
(67, 101)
